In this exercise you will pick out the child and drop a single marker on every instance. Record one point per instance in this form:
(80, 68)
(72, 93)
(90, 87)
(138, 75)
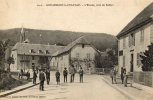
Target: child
(57, 74)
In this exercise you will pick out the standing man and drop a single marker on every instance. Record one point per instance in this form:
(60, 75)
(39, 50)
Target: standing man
(65, 75)
(48, 76)
(42, 79)
(81, 75)
(28, 75)
(113, 75)
(34, 77)
(57, 74)
(123, 71)
(125, 77)
(122, 76)
(72, 72)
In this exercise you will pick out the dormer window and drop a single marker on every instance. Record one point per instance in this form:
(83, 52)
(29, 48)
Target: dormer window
(32, 51)
(47, 52)
(82, 45)
(40, 51)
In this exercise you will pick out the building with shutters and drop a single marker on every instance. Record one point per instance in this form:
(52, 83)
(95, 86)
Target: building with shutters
(31, 56)
(134, 39)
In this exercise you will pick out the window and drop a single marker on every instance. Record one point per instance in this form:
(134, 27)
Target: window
(33, 66)
(82, 45)
(33, 57)
(77, 55)
(47, 52)
(142, 36)
(32, 51)
(40, 51)
(88, 55)
(124, 41)
(131, 40)
(139, 59)
(120, 52)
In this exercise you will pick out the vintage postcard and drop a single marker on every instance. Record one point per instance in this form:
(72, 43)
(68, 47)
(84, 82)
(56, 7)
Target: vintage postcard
(76, 50)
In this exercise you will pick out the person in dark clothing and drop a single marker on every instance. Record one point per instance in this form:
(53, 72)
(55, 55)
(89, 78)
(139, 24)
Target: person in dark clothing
(22, 71)
(42, 79)
(28, 75)
(48, 76)
(81, 75)
(65, 72)
(123, 70)
(34, 77)
(125, 77)
(57, 74)
(72, 72)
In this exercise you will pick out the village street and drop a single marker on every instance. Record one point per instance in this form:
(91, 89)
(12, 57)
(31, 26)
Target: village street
(93, 88)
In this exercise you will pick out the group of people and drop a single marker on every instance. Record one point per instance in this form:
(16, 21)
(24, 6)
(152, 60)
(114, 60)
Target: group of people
(72, 72)
(123, 74)
(45, 75)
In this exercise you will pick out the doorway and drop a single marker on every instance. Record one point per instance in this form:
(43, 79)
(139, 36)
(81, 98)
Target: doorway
(131, 66)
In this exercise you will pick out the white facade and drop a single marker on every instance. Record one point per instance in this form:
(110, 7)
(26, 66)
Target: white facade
(29, 61)
(79, 52)
(132, 45)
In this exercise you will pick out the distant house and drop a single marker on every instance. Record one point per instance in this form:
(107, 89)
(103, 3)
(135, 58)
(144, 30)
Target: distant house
(134, 39)
(31, 56)
(79, 53)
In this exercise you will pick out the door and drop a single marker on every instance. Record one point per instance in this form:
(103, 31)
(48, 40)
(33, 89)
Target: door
(131, 67)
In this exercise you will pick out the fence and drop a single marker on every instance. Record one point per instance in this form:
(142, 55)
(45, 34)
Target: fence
(144, 78)
(101, 71)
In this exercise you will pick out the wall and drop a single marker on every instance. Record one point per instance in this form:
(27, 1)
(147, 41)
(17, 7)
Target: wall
(88, 49)
(13, 67)
(60, 62)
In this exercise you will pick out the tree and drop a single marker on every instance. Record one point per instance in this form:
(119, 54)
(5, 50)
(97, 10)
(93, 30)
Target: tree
(10, 61)
(3, 47)
(147, 59)
(98, 60)
(112, 56)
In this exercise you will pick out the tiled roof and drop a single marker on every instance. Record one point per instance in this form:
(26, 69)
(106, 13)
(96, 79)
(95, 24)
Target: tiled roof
(142, 18)
(34, 49)
(81, 40)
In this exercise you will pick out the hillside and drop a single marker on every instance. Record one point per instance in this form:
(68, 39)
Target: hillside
(100, 40)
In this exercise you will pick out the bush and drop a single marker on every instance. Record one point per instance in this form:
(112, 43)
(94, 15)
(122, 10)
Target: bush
(8, 82)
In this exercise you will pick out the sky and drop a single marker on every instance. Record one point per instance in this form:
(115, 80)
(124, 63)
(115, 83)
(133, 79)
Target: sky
(96, 19)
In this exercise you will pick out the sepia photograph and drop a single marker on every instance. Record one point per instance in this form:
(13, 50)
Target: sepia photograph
(76, 50)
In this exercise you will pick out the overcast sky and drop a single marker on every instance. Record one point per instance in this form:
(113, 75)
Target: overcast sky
(104, 19)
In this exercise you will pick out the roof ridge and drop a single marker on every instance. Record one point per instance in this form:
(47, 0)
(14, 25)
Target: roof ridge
(39, 44)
